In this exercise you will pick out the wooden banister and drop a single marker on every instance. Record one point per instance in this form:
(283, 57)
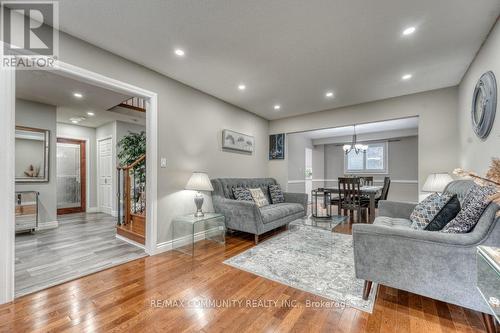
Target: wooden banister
(133, 164)
(131, 191)
(134, 103)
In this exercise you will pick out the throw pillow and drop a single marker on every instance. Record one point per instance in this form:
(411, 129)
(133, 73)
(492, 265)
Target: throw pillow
(276, 194)
(259, 197)
(426, 210)
(445, 215)
(473, 208)
(241, 193)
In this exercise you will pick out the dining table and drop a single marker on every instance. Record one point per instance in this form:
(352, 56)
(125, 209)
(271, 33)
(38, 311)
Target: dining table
(370, 191)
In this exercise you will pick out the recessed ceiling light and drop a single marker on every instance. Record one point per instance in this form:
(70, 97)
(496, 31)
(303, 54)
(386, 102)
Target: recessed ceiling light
(242, 87)
(90, 113)
(329, 94)
(74, 121)
(77, 95)
(409, 31)
(179, 52)
(277, 107)
(406, 77)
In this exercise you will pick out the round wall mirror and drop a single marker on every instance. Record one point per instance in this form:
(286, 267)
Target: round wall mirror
(484, 104)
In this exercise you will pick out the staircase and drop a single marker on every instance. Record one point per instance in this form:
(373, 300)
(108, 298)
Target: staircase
(134, 103)
(132, 201)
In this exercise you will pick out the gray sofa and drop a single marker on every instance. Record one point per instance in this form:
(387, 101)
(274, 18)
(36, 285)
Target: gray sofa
(246, 216)
(429, 263)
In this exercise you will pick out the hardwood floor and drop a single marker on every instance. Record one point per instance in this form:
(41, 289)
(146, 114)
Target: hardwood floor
(119, 300)
(82, 244)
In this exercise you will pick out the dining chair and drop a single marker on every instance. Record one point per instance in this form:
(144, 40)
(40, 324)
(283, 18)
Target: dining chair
(385, 191)
(383, 195)
(366, 181)
(350, 196)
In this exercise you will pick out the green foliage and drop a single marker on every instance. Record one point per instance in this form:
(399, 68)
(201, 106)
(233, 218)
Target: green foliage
(130, 148)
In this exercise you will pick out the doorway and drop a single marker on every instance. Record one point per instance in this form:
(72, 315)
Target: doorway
(71, 176)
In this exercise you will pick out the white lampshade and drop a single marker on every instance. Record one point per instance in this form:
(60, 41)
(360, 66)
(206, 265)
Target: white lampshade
(199, 181)
(436, 182)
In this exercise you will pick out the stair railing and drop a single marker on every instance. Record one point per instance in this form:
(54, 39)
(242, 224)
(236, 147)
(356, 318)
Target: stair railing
(131, 190)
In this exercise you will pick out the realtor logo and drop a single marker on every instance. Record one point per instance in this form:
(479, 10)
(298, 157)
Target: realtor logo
(29, 32)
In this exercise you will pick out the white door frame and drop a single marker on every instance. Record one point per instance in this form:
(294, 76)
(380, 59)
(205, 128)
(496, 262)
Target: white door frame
(7, 161)
(98, 173)
(7, 176)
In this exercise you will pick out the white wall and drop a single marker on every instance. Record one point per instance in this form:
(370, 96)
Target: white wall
(89, 135)
(190, 125)
(42, 116)
(438, 128)
(475, 154)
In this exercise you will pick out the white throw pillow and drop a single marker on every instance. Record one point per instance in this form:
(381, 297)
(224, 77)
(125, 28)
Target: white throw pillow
(259, 197)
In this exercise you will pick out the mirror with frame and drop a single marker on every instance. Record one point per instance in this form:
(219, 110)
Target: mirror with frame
(32, 155)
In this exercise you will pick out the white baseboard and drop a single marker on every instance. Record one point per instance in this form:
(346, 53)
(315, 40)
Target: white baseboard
(93, 210)
(125, 239)
(168, 245)
(48, 225)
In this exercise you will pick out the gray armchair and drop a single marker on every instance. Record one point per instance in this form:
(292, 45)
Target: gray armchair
(246, 216)
(429, 263)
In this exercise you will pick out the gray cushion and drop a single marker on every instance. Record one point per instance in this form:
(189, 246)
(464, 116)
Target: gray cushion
(276, 194)
(392, 222)
(241, 193)
(273, 212)
(473, 207)
(428, 209)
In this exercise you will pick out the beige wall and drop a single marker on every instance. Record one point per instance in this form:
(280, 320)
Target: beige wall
(438, 130)
(474, 153)
(190, 127)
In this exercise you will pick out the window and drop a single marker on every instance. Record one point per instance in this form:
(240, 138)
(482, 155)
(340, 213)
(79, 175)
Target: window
(373, 161)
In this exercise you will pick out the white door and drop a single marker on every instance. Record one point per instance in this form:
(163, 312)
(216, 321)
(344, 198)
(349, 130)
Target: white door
(105, 168)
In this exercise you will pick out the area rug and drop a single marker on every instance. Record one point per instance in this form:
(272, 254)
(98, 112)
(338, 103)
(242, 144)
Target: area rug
(310, 259)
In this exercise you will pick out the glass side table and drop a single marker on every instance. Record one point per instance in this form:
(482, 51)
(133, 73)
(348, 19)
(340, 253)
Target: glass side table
(188, 228)
(488, 277)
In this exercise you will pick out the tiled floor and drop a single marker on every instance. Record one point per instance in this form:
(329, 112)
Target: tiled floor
(82, 244)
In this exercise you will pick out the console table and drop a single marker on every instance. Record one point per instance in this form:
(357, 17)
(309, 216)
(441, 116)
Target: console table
(26, 211)
(488, 282)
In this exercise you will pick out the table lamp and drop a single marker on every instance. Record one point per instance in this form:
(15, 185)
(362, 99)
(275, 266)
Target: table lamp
(199, 181)
(436, 182)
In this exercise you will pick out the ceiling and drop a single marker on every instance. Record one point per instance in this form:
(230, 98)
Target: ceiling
(53, 89)
(291, 52)
(376, 127)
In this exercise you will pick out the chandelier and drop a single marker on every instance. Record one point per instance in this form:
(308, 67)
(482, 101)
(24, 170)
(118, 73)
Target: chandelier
(357, 147)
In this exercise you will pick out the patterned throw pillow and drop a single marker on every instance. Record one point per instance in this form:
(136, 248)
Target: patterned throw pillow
(426, 210)
(259, 197)
(473, 207)
(448, 213)
(276, 194)
(241, 193)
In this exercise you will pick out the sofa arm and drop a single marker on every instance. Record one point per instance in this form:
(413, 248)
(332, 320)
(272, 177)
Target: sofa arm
(385, 233)
(396, 209)
(429, 263)
(240, 215)
(300, 198)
